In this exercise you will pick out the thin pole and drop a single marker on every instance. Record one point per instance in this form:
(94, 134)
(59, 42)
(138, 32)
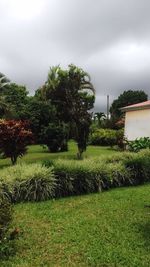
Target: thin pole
(107, 107)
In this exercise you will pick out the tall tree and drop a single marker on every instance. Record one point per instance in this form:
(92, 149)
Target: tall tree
(99, 116)
(40, 113)
(4, 107)
(72, 92)
(16, 96)
(127, 98)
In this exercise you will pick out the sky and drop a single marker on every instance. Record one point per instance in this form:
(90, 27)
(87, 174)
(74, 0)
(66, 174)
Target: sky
(110, 39)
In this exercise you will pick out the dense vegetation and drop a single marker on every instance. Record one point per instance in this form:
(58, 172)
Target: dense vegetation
(59, 178)
(59, 111)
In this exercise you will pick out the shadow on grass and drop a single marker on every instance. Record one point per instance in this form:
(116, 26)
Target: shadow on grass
(144, 230)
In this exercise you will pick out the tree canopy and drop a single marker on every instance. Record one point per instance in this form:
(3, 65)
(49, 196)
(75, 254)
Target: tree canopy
(73, 95)
(127, 98)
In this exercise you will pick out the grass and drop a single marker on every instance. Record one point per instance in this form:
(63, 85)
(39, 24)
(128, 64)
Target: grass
(111, 229)
(37, 153)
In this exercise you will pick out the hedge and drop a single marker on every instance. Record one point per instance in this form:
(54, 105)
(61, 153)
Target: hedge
(36, 182)
(107, 137)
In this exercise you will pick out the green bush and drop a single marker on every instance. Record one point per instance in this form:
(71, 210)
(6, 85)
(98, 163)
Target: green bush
(139, 165)
(59, 178)
(5, 213)
(55, 137)
(138, 144)
(89, 176)
(107, 137)
(95, 175)
(32, 182)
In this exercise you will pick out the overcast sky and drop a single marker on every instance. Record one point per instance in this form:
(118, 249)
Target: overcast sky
(108, 38)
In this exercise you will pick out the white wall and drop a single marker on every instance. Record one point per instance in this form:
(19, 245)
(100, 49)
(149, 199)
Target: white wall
(137, 124)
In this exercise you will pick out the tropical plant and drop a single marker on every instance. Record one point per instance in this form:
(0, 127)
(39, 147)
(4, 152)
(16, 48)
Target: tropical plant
(55, 137)
(72, 93)
(99, 116)
(5, 214)
(138, 144)
(33, 182)
(4, 107)
(14, 138)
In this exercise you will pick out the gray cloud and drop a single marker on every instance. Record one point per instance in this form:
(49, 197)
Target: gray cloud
(108, 38)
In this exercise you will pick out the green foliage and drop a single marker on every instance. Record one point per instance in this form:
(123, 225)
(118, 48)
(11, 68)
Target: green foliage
(72, 93)
(139, 165)
(87, 176)
(32, 182)
(4, 107)
(99, 118)
(40, 113)
(3, 82)
(14, 138)
(103, 137)
(95, 175)
(55, 137)
(63, 177)
(5, 214)
(107, 137)
(16, 97)
(138, 144)
(82, 231)
(127, 98)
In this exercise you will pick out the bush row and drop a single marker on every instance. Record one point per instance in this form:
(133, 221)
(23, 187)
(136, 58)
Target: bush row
(107, 137)
(5, 219)
(37, 182)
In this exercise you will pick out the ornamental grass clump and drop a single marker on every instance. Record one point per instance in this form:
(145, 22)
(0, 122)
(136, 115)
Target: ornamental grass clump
(5, 214)
(78, 177)
(32, 182)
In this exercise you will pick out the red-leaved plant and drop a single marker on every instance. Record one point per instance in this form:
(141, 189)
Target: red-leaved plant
(14, 138)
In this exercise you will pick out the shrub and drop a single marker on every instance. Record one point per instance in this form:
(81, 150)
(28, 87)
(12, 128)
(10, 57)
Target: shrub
(139, 165)
(78, 177)
(5, 214)
(118, 175)
(103, 137)
(120, 138)
(89, 176)
(55, 137)
(32, 182)
(138, 144)
(14, 138)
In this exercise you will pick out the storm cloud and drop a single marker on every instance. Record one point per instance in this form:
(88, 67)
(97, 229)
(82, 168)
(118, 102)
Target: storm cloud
(108, 38)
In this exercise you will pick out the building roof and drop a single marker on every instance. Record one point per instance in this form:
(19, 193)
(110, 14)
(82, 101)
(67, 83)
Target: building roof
(143, 105)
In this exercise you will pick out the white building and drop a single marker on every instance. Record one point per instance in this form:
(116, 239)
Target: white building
(137, 120)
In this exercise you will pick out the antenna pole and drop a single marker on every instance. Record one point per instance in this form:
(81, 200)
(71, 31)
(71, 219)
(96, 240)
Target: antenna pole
(107, 107)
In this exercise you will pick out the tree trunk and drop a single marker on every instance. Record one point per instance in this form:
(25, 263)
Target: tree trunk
(13, 160)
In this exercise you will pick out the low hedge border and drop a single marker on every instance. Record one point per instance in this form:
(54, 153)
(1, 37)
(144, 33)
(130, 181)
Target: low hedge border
(60, 178)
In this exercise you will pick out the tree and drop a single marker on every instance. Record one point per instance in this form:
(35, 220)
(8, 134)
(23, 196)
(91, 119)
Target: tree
(16, 97)
(40, 113)
(72, 93)
(55, 137)
(4, 107)
(3, 81)
(127, 98)
(14, 138)
(99, 116)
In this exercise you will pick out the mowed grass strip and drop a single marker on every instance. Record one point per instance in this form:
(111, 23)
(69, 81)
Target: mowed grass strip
(110, 229)
(36, 153)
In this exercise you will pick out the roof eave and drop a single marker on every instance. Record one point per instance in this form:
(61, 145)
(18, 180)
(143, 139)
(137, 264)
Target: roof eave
(125, 109)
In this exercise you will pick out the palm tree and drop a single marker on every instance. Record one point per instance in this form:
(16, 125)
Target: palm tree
(73, 94)
(99, 116)
(4, 108)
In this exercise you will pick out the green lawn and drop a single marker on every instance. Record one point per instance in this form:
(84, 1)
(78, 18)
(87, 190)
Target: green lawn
(37, 153)
(111, 229)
